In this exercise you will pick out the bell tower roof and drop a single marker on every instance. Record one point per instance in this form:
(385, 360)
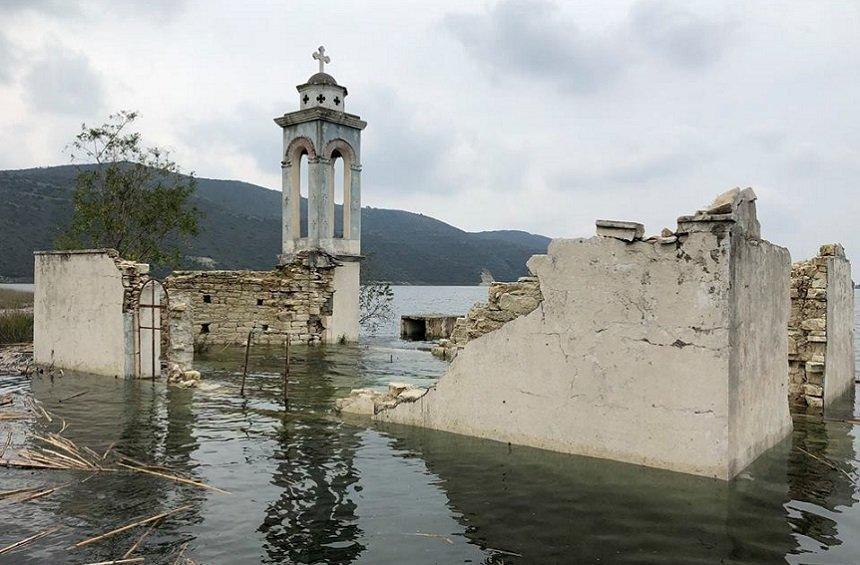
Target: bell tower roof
(322, 90)
(322, 78)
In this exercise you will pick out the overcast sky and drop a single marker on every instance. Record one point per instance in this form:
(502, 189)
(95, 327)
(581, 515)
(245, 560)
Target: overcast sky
(534, 115)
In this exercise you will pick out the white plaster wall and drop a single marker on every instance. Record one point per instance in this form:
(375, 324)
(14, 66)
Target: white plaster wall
(78, 318)
(628, 357)
(839, 356)
(758, 387)
(343, 322)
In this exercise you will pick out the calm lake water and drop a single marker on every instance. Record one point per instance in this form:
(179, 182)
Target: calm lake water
(308, 487)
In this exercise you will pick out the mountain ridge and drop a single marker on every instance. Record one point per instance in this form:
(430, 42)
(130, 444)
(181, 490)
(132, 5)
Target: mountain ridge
(241, 229)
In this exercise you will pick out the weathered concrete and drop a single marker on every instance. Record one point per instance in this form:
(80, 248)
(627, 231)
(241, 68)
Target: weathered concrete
(426, 326)
(343, 325)
(839, 356)
(666, 355)
(85, 308)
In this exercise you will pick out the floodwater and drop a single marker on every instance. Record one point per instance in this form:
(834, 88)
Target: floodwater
(308, 487)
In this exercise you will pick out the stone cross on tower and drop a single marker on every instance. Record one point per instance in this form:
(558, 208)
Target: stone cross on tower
(320, 56)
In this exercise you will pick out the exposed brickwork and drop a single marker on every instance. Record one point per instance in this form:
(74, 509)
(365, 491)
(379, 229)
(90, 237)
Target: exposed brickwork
(807, 329)
(225, 305)
(506, 301)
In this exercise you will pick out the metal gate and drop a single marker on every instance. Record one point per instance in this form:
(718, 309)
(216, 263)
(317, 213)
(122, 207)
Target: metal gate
(152, 302)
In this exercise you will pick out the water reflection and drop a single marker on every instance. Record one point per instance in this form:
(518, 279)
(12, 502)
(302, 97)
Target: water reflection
(311, 488)
(313, 518)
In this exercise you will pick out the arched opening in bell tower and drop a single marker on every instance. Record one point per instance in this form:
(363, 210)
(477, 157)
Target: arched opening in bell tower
(304, 192)
(339, 190)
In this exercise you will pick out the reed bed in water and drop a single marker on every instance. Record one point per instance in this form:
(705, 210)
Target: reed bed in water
(16, 326)
(11, 299)
(50, 450)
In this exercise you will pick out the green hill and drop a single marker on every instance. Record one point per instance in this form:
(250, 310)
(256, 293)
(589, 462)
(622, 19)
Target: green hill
(241, 229)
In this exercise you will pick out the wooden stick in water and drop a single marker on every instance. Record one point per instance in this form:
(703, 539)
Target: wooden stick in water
(286, 371)
(245, 369)
(25, 541)
(148, 531)
(129, 526)
(827, 462)
(118, 561)
(6, 446)
(108, 450)
(6, 493)
(172, 478)
(73, 396)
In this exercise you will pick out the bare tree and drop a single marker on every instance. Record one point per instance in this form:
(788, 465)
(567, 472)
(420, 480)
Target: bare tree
(375, 301)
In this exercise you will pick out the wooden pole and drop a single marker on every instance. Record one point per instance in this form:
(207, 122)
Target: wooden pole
(245, 370)
(286, 371)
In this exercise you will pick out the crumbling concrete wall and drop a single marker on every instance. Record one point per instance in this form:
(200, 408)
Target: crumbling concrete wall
(821, 330)
(294, 299)
(84, 307)
(506, 301)
(669, 352)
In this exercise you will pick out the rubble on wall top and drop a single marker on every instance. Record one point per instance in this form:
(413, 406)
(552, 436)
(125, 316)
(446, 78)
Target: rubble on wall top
(733, 206)
(626, 231)
(832, 250)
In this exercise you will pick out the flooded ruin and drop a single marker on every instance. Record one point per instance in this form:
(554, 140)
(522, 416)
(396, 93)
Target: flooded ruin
(309, 487)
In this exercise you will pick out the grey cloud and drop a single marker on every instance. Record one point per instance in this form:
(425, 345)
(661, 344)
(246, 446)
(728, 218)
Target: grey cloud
(531, 38)
(158, 9)
(683, 38)
(64, 83)
(8, 58)
(398, 154)
(248, 130)
(534, 39)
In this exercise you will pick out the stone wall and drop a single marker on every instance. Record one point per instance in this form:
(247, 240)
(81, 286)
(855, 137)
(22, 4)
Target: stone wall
(820, 329)
(506, 301)
(669, 351)
(294, 299)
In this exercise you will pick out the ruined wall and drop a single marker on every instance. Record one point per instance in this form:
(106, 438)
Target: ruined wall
(821, 329)
(758, 349)
(83, 310)
(668, 352)
(344, 322)
(226, 305)
(506, 301)
(839, 356)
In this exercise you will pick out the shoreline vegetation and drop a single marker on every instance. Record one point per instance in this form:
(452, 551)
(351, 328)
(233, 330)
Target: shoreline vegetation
(16, 316)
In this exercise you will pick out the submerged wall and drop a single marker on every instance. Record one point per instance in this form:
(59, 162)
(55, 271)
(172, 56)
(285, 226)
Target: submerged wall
(821, 330)
(669, 352)
(83, 311)
(223, 306)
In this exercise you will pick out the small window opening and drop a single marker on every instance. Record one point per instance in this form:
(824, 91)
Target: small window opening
(265, 327)
(207, 298)
(259, 302)
(204, 328)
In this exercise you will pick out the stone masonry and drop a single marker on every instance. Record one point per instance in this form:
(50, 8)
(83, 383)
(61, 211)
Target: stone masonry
(506, 301)
(224, 306)
(815, 283)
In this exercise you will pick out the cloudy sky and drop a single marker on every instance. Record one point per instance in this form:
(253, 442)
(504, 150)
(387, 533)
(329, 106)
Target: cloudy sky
(534, 115)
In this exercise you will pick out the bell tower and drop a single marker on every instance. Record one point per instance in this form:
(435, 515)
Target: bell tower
(322, 131)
